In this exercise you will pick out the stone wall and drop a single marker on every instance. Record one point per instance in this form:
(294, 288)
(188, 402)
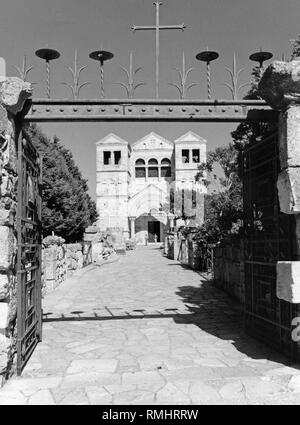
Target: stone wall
(183, 249)
(59, 262)
(104, 243)
(13, 93)
(172, 245)
(229, 269)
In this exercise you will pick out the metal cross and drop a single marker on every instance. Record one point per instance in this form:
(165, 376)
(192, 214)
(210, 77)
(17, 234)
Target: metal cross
(157, 28)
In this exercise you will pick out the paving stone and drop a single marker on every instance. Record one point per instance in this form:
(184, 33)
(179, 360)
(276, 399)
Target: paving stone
(33, 383)
(93, 365)
(192, 374)
(33, 367)
(152, 362)
(72, 397)
(120, 388)
(201, 393)
(170, 394)
(83, 379)
(233, 390)
(238, 371)
(88, 347)
(211, 362)
(294, 384)
(12, 397)
(201, 350)
(282, 371)
(149, 381)
(258, 388)
(43, 397)
(134, 397)
(98, 395)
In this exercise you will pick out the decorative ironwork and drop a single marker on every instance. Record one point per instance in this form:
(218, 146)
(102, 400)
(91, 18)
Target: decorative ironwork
(234, 75)
(48, 55)
(29, 312)
(182, 87)
(261, 57)
(157, 29)
(76, 87)
(24, 71)
(207, 56)
(131, 86)
(269, 237)
(101, 56)
(41, 110)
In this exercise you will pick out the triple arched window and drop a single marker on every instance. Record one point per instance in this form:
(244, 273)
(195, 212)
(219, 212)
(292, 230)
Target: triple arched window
(152, 169)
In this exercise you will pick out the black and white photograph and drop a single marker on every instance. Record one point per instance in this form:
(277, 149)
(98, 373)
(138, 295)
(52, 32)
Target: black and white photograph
(149, 206)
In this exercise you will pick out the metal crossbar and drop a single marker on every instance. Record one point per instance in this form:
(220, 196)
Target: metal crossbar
(65, 110)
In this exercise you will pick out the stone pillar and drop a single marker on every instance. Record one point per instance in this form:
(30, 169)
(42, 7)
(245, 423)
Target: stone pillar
(132, 227)
(176, 246)
(13, 93)
(280, 87)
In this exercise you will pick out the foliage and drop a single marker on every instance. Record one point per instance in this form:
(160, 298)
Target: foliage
(67, 208)
(226, 157)
(249, 132)
(223, 208)
(53, 240)
(180, 204)
(295, 48)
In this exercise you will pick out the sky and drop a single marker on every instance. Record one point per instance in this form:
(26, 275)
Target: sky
(227, 26)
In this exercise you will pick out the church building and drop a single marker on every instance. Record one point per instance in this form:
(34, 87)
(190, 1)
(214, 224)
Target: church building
(136, 183)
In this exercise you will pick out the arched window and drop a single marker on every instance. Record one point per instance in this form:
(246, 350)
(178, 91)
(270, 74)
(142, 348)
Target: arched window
(152, 167)
(140, 169)
(152, 161)
(165, 167)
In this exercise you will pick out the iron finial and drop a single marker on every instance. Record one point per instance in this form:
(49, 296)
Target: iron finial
(47, 55)
(207, 56)
(260, 57)
(101, 56)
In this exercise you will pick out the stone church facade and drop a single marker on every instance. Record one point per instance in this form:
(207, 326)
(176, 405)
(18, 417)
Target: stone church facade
(136, 183)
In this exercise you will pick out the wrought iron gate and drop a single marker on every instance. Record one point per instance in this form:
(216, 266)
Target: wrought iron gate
(29, 313)
(269, 237)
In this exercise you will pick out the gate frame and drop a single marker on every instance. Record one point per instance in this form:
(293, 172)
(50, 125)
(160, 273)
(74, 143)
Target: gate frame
(285, 312)
(40, 110)
(163, 110)
(22, 354)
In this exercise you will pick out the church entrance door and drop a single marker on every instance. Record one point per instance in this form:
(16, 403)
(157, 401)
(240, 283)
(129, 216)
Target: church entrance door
(153, 229)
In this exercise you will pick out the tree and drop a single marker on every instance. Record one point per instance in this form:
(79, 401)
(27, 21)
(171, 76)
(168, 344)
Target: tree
(295, 48)
(67, 208)
(223, 208)
(184, 204)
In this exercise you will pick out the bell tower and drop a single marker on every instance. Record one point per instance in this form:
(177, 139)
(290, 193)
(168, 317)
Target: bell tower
(190, 152)
(112, 183)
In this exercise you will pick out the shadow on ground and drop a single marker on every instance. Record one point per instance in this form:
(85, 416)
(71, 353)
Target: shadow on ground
(215, 312)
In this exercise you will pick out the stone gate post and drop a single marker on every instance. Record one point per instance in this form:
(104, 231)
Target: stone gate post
(280, 87)
(13, 93)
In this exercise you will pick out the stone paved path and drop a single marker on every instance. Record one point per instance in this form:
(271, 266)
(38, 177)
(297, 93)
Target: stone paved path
(145, 330)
